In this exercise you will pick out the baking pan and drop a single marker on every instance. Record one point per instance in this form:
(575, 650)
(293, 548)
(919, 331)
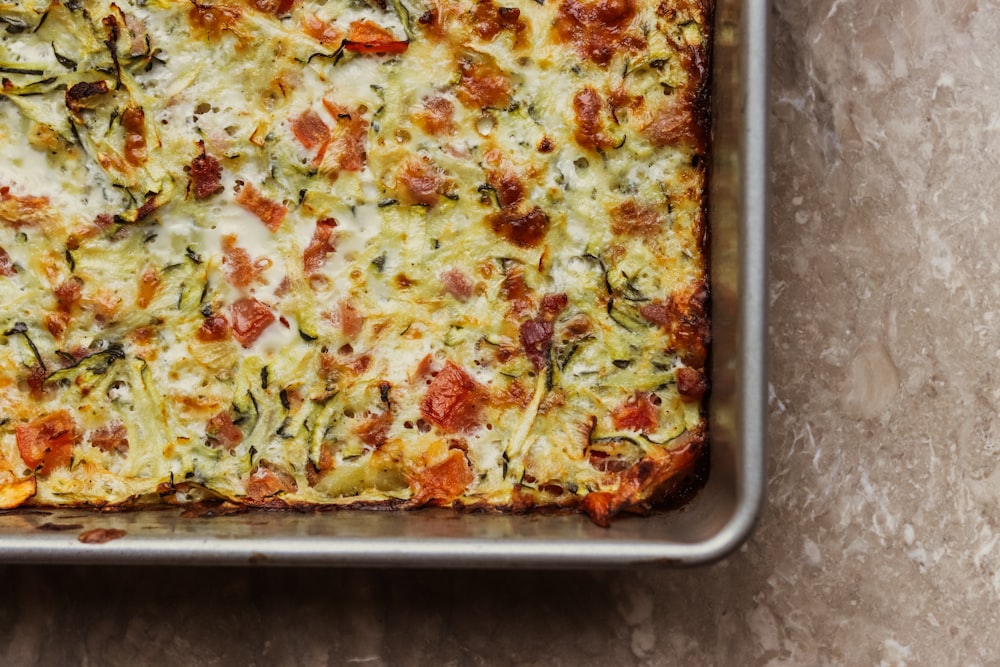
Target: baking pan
(714, 523)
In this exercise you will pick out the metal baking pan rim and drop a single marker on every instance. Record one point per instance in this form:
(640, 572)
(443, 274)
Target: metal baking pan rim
(53, 535)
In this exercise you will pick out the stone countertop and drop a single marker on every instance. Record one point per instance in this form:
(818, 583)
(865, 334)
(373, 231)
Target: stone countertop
(879, 544)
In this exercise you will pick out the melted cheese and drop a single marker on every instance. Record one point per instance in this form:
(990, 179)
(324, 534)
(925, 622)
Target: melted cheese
(488, 238)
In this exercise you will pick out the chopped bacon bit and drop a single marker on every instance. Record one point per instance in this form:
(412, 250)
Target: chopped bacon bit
(276, 7)
(6, 264)
(47, 441)
(213, 19)
(56, 323)
(436, 116)
(446, 480)
(240, 267)
(457, 284)
(319, 247)
(515, 290)
(638, 413)
(597, 27)
(536, 338)
(271, 213)
(206, 175)
(452, 401)
(349, 139)
(525, 230)
(36, 380)
(587, 107)
(488, 19)
(631, 219)
(684, 316)
(552, 305)
(691, 383)
(213, 328)
(111, 438)
(83, 90)
(656, 312)
(266, 481)
(367, 37)
(100, 535)
(323, 32)
(310, 129)
(222, 432)
(68, 293)
(134, 123)
(374, 430)
(249, 318)
(483, 85)
(419, 182)
(20, 211)
(149, 282)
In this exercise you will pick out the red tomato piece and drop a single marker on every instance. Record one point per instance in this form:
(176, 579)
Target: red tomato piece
(47, 442)
(452, 400)
(249, 319)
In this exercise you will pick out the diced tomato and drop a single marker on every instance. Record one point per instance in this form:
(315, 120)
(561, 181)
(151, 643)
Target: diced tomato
(638, 413)
(348, 318)
(266, 481)
(367, 37)
(444, 481)
(453, 400)
(249, 319)
(310, 129)
(271, 213)
(240, 267)
(319, 246)
(222, 432)
(213, 328)
(47, 442)
(374, 430)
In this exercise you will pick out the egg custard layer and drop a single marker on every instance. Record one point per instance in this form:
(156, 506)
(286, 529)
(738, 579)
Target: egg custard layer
(352, 252)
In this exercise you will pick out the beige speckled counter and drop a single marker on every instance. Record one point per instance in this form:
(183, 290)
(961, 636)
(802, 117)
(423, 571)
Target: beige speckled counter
(880, 541)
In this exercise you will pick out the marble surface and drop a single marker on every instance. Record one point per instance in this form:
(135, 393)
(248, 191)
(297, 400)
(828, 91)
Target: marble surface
(880, 542)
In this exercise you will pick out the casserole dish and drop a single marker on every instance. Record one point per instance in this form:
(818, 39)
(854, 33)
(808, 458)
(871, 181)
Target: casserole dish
(713, 523)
